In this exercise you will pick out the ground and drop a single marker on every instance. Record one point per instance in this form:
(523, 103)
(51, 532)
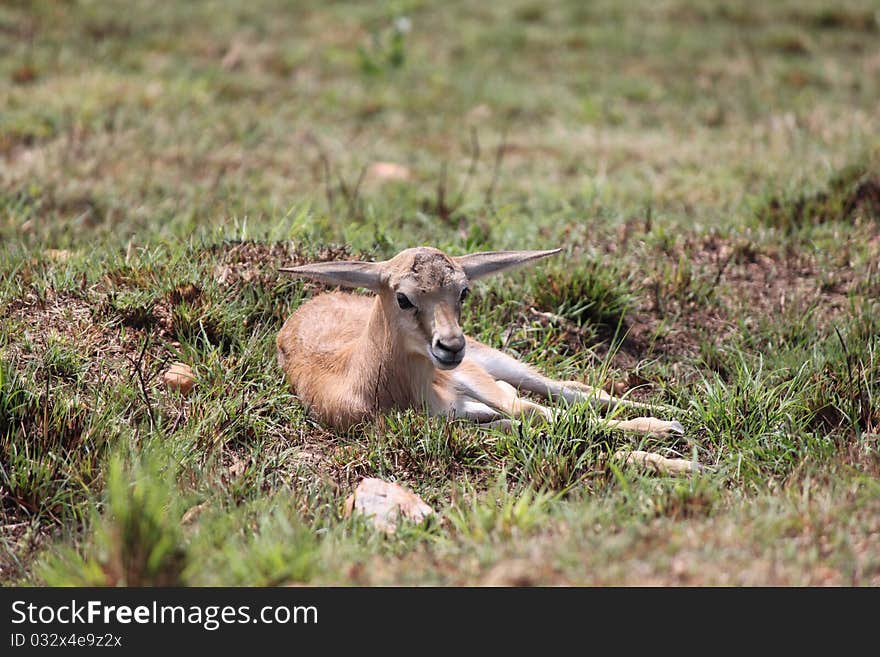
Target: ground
(711, 172)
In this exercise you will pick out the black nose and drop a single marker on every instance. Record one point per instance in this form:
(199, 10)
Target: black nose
(452, 344)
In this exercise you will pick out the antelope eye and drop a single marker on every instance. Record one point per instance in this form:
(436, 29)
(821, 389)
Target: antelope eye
(403, 301)
(464, 294)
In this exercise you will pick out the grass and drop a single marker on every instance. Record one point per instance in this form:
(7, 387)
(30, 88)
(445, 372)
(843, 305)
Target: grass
(711, 172)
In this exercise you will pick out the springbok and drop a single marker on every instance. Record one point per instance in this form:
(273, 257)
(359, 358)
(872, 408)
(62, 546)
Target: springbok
(350, 357)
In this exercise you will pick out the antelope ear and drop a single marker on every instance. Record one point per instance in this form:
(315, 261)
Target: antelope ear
(348, 273)
(477, 265)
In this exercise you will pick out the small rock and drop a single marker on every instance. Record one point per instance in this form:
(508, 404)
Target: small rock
(24, 74)
(192, 513)
(222, 274)
(388, 171)
(59, 255)
(514, 572)
(233, 57)
(479, 113)
(238, 468)
(384, 503)
(179, 377)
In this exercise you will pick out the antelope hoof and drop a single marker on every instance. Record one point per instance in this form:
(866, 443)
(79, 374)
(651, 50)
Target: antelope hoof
(505, 425)
(652, 425)
(676, 427)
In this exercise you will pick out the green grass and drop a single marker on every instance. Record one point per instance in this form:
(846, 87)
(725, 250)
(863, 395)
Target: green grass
(712, 173)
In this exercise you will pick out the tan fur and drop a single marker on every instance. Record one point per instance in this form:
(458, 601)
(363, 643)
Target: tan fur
(350, 357)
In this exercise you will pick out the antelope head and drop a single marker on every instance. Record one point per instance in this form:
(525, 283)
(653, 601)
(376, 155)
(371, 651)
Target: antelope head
(421, 291)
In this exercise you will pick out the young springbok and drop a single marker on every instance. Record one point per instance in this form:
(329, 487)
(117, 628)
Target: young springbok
(349, 357)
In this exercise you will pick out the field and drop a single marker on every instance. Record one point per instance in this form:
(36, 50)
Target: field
(711, 170)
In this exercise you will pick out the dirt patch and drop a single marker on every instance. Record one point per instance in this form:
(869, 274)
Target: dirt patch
(144, 302)
(853, 196)
(60, 367)
(87, 324)
(22, 541)
(701, 291)
(522, 572)
(68, 321)
(730, 282)
(257, 263)
(839, 18)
